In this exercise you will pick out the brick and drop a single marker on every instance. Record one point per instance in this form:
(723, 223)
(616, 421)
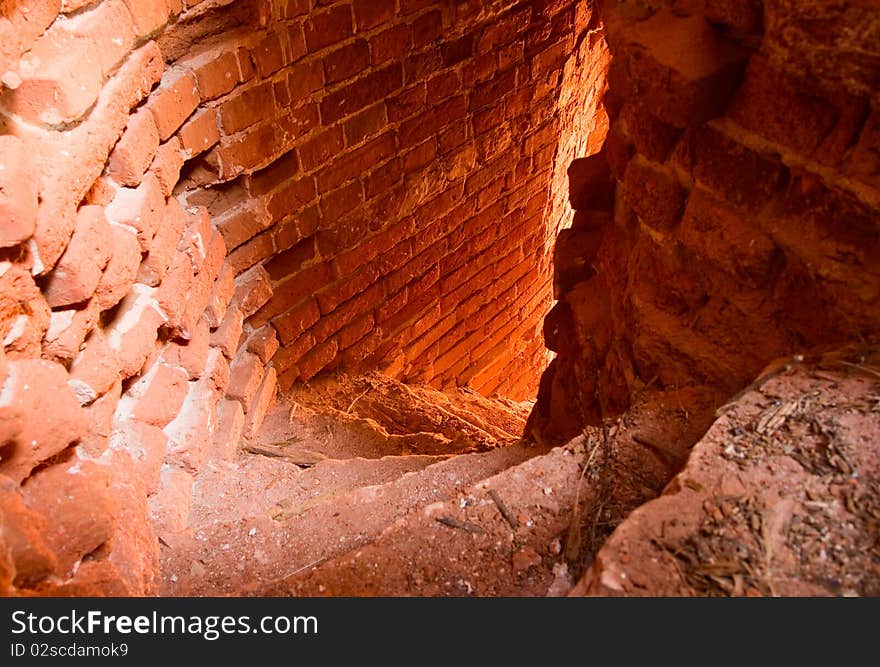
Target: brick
(195, 242)
(18, 192)
(81, 514)
(262, 402)
(190, 432)
(135, 150)
(230, 428)
(246, 374)
(172, 291)
(158, 259)
(100, 419)
(317, 359)
(337, 203)
(269, 55)
(362, 93)
(146, 445)
(286, 358)
(297, 320)
(140, 208)
(457, 50)
(247, 108)
(226, 336)
(418, 129)
(675, 85)
(737, 174)
(408, 102)
(167, 165)
(291, 292)
(78, 272)
(787, 110)
(156, 398)
(369, 14)
(240, 225)
(292, 260)
(54, 417)
(201, 289)
(133, 331)
(216, 74)
(264, 343)
(253, 289)
(95, 369)
(148, 15)
(728, 239)
(318, 150)
(67, 330)
(221, 297)
(191, 355)
(199, 133)
(652, 137)
(173, 102)
(329, 27)
(61, 78)
(170, 505)
(351, 165)
(365, 124)
(304, 79)
(427, 28)
(742, 15)
(252, 253)
(390, 44)
(346, 62)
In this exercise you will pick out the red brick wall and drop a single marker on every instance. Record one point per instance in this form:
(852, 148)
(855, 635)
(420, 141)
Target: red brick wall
(380, 176)
(201, 200)
(731, 217)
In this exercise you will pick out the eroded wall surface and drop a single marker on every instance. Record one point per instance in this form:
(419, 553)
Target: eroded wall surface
(733, 214)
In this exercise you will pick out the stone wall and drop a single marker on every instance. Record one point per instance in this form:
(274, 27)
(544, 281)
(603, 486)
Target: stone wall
(733, 214)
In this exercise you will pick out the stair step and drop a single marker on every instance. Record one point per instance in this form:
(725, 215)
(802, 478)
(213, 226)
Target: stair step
(465, 545)
(247, 536)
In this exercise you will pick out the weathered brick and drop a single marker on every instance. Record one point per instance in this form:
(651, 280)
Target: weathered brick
(80, 511)
(317, 359)
(262, 402)
(247, 108)
(54, 417)
(78, 272)
(226, 336)
(246, 374)
(140, 208)
(167, 165)
(199, 133)
(672, 84)
(297, 320)
(253, 289)
(133, 331)
(158, 259)
(94, 370)
(135, 150)
(221, 297)
(18, 192)
(264, 343)
(156, 398)
(328, 27)
(174, 101)
(61, 78)
(191, 355)
(362, 93)
(230, 428)
(369, 14)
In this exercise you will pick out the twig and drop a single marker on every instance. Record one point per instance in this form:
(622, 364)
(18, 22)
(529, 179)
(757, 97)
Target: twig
(506, 513)
(356, 399)
(467, 526)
